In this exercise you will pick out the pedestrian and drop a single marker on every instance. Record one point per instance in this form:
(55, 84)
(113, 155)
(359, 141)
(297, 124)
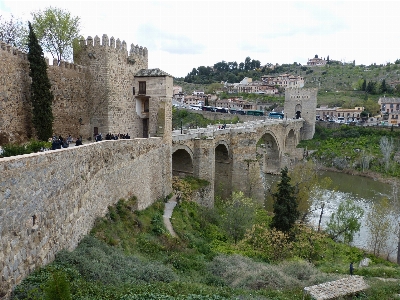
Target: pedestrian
(351, 268)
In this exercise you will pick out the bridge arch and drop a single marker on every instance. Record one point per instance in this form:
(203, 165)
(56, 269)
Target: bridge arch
(269, 153)
(223, 170)
(182, 161)
(290, 141)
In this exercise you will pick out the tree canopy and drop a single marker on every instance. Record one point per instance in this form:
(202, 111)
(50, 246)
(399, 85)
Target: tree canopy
(56, 30)
(345, 222)
(13, 32)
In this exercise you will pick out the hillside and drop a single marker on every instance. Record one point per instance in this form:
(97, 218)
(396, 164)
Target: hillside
(338, 84)
(130, 255)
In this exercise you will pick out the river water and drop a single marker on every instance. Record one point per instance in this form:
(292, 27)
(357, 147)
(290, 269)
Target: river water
(363, 191)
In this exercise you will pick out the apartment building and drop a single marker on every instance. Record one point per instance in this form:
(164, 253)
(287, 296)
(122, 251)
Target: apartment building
(284, 80)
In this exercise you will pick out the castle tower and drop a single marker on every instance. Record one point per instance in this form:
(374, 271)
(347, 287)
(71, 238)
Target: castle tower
(111, 104)
(302, 103)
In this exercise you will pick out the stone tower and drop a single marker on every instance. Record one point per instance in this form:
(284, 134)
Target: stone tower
(302, 103)
(118, 102)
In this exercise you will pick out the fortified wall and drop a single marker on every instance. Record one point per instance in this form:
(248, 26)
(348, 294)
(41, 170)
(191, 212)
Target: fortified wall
(95, 94)
(69, 83)
(49, 200)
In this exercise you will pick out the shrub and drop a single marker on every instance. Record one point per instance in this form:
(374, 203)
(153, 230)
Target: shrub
(13, 149)
(242, 272)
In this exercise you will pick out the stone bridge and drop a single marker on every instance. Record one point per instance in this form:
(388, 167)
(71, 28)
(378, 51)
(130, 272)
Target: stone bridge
(237, 157)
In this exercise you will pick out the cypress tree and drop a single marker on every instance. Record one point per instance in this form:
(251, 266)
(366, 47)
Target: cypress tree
(41, 95)
(364, 85)
(285, 204)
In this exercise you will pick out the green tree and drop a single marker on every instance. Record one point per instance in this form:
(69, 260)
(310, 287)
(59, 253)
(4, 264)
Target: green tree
(304, 179)
(56, 30)
(379, 225)
(285, 204)
(345, 222)
(239, 215)
(41, 95)
(371, 107)
(364, 85)
(383, 86)
(213, 87)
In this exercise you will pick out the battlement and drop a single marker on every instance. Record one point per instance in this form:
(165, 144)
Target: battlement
(113, 44)
(13, 51)
(66, 65)
(300, 93)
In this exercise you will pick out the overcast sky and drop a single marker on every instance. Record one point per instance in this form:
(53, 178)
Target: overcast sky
(182, 35)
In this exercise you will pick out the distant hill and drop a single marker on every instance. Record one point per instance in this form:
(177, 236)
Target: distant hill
(338, 83)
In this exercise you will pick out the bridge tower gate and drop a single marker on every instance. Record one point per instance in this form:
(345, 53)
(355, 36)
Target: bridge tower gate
(302, 103)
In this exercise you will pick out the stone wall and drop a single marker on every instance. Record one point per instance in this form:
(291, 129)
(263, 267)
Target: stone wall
(111, 102)
(305, 101)
(49, 200)
(70, 87)
(14, 95)
(97, 95)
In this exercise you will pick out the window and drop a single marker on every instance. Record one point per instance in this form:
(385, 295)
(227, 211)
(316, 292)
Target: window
(142, 87)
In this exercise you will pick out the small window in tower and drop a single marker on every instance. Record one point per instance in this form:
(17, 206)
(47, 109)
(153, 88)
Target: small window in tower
(142, 87)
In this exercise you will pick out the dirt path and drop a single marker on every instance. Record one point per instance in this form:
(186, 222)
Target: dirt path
(168, 209)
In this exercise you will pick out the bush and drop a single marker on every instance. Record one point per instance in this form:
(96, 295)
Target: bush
(31, 147)
(242, 272)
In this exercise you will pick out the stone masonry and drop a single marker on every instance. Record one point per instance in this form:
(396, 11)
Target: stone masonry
(49, 200)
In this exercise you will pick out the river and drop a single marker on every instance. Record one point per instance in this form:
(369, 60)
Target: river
(363, 191)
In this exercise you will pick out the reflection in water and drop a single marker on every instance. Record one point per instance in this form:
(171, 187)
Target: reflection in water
(362, 190)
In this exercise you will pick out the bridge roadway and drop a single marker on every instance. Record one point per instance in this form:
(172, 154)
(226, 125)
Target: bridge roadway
(238, 156)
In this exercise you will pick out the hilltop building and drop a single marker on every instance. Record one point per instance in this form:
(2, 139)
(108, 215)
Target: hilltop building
(316, 61)
(284, 81)
(247, 85)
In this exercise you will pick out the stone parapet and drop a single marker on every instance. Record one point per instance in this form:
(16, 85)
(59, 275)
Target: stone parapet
(50, 200)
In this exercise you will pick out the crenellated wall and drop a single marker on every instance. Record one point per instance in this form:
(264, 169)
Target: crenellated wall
(113, 69)
(96, 91)
(49, 200)
(70, 86)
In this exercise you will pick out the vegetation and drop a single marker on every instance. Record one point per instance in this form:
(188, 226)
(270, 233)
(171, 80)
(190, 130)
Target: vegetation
(41, 95)
(345, 222)
(285, 204)
(130, 255)
(186, 119)
(355, 148)
(14, 33)
(31, 147)
(56, 30)
(379, 225)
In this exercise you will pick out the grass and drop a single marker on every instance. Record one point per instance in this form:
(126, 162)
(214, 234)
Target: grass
(130, 255)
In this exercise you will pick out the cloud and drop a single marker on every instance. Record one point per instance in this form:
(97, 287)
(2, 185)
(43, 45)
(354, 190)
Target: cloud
(157, 39)
(305, 18)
